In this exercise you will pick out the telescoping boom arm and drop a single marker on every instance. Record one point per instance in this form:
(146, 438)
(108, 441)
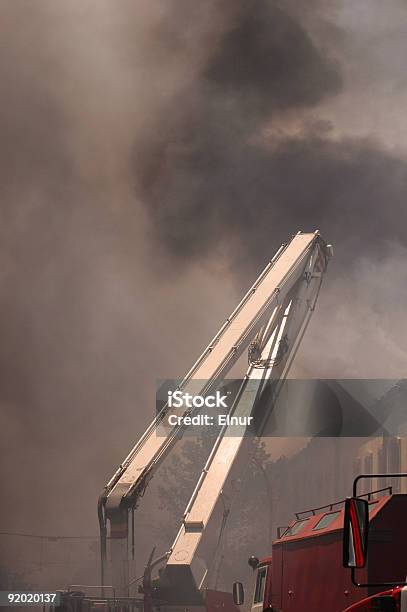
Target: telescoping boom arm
(270, 321)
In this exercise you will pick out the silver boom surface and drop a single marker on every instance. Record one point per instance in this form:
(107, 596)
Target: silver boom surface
(270, 320)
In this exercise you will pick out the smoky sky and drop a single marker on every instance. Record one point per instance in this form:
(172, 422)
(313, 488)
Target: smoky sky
(153, 156)
(266, 60)
(208, 160)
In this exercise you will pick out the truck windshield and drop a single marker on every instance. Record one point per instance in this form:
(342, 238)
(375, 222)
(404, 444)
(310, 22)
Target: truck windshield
(260, 583)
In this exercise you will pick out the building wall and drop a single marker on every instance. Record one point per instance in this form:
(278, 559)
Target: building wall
(383, 455)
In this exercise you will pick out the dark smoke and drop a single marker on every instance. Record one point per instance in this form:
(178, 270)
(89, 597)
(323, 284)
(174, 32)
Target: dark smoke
(265, 60)
(208, 160)
(203, 159)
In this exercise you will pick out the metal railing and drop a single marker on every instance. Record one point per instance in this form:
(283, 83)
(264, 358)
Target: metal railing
(330, 507)
(282, 530)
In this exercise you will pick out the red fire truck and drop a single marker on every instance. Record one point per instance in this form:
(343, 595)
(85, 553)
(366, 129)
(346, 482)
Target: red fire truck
(308, 569)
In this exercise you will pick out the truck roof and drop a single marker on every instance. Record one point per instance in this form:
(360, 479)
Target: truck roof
(322, 522)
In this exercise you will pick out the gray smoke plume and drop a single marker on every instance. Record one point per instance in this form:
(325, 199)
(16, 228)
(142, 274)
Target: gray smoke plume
(209, 157)
(205, 157)
(152, 158)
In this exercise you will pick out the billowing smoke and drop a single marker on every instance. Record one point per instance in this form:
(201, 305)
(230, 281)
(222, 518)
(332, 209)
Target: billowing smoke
(206, 158)
(224, 151)
(152, 158)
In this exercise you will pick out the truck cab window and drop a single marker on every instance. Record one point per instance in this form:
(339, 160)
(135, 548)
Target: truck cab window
(260, 583)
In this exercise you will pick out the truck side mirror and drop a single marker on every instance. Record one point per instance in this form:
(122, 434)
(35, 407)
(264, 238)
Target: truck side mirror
(253, 562)
(238, 593)
(355, 532)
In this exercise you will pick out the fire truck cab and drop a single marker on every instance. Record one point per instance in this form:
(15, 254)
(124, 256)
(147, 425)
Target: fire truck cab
(306, 570)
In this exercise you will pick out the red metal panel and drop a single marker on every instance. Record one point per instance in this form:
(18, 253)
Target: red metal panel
(388, 542)
(313, 577)
(274, 579)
